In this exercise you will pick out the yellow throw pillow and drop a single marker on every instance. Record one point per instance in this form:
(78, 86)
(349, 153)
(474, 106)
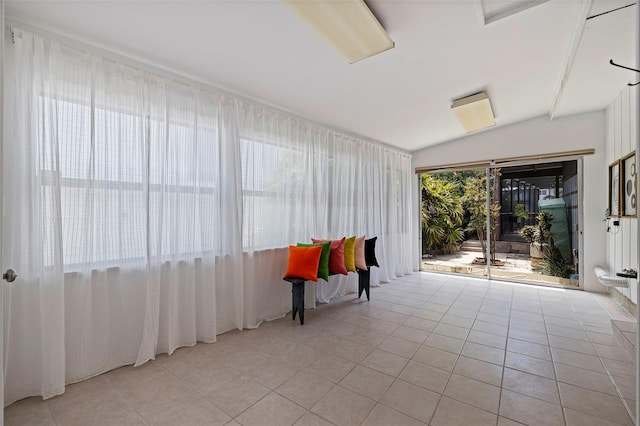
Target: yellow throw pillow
(350, 253)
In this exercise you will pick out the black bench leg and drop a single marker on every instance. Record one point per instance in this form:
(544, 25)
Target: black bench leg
(297, 301)
(363, 282)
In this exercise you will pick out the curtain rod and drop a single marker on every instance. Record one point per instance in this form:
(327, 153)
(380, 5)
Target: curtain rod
(504, 162)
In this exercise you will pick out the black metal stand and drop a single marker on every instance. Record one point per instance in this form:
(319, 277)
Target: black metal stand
(297, 292)
(297, 298)
(364, 279)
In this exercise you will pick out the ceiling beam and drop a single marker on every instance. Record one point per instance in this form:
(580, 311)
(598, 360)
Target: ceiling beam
(571, 54)
(512, 11)
(509, 11)
(480, 11)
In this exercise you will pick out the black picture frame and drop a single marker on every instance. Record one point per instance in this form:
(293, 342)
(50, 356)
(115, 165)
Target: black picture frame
(614, 189)
(628, 185)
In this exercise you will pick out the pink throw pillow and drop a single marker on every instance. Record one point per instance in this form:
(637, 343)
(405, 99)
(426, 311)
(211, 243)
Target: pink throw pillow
(360, 259)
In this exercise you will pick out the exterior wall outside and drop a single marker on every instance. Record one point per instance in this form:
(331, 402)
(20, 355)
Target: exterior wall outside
(541, 135)
(621, 241)
(570, 191)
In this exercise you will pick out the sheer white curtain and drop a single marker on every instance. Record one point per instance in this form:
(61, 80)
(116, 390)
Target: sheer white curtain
(148, 213)
(370, 193)
(194, 218)
(279, 206)
(126, 228)
(302, 181)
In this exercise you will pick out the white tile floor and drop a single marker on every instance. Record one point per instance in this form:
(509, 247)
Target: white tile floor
(428, 349)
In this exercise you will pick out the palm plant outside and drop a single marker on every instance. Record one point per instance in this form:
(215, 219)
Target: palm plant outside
(475, 202)
(453, 209)
(442, 214)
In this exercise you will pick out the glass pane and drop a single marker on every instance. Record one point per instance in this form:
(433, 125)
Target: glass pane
(535, 240)
(535, 202)
(453, 220)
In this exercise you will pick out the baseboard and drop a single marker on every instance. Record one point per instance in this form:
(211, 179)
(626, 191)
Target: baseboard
(623, 301)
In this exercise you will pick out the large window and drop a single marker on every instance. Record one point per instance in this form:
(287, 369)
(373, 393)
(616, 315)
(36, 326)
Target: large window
(128, 165)
(273, 190)
(131, 184)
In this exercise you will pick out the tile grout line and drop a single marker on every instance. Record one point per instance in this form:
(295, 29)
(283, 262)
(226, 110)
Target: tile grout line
(435, 409)
(564, 408)
(377, 348)
(630, 412)
(400, 373)
(504, 358)
(504, 352)
(497, 414)
(555, 371)
(579, 308)
(144, 419)
(606, 369)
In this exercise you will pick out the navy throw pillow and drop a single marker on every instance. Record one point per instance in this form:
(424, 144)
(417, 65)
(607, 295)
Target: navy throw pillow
(370, 252)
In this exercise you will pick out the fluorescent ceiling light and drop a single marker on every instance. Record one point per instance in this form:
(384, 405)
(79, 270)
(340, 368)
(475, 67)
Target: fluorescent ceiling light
(474, 112)
(349, 26)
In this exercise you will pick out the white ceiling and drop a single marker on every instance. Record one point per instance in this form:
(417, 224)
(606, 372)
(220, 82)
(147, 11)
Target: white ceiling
(593, 83)
(401, 97)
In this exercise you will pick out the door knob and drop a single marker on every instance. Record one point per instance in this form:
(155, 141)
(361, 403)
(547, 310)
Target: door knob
(10, 275)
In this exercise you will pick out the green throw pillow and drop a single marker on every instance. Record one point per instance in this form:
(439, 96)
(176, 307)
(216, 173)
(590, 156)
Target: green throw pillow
(323, 266)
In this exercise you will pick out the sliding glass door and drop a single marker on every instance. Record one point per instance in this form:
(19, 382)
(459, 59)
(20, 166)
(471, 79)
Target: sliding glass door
(523, 218)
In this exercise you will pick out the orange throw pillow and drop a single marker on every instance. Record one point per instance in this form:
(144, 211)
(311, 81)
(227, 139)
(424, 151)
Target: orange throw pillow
(336, 256)
(303, 262)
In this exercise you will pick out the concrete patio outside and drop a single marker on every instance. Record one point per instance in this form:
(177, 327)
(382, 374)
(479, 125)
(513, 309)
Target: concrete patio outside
(517, 266)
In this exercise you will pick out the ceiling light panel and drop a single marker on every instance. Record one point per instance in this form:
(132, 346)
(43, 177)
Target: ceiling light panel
(474, 112)
(349, 26)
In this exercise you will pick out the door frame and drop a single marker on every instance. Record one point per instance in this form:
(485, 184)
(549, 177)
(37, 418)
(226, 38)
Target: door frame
(2, 282)
(580, 179)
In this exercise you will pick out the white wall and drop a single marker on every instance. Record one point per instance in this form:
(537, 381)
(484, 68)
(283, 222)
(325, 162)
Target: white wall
(622, 242)
(542, 136)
